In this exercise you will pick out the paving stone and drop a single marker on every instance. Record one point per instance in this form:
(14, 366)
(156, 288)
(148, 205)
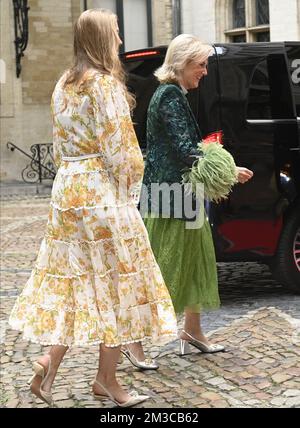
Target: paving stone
(195, 402)
(234, 402)
(252, 402)
(12, 403)
(293, 402)
(280, 377)
(220, 404)
(226, 387)
(183, 363)
(294, 372)
(261, 363)
(246, 375)
(79, 385)
(292, 393)
(60, 396)
(211, 396)
(263, 385)
(64, 403)
(278, 401)
(262, 396)
(215, 381)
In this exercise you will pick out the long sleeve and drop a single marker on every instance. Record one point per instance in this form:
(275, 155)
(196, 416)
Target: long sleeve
(173, 113)
(57, 155)
(57, 152)
(115, 133)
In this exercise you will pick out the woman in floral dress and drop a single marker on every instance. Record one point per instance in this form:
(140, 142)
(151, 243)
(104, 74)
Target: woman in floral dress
(96, 280)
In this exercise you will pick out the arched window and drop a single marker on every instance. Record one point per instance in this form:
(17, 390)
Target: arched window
(262, 12)
(239, 16)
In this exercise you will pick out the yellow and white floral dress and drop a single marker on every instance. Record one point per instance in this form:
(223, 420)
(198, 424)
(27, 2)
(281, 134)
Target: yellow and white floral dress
(95, 279)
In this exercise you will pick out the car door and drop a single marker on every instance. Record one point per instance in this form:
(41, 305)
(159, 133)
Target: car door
(293, 58)
(258, 118)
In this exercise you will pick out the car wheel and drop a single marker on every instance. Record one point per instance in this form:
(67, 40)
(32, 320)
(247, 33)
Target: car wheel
(286, 264)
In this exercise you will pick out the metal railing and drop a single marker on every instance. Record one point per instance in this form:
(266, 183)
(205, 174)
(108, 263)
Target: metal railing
(41, 167)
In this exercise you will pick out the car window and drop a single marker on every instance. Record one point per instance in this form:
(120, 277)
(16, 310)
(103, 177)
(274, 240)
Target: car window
(259, 96)
(293, 54)
(270, 82)
(144, 67)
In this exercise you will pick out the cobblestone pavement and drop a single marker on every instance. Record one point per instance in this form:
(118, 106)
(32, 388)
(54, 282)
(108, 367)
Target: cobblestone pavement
(259, 323)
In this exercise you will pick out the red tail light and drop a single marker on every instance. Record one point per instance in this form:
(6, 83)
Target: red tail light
(141, 54)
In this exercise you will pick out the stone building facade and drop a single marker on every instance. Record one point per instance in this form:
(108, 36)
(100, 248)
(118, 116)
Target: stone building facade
(25, 101)
(214, 22)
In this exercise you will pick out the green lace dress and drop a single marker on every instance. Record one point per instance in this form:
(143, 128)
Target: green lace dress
(186, 257)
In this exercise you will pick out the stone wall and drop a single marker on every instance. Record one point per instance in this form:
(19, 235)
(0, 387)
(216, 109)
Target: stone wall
(49, 51)
(162, 22)
(198, 18)
(25, 102)
(285, 20)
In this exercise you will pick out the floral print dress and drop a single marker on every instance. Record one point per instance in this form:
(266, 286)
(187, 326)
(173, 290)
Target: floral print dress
(95, 279)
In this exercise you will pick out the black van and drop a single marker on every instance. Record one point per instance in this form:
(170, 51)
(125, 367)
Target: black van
(252, 93)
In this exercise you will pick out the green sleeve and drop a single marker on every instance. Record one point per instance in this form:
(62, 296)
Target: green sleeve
(173, 113)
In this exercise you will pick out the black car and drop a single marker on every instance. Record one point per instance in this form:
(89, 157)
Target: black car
(252, 93)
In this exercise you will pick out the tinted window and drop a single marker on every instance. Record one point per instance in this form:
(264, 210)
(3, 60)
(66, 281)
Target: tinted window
(144, 67)
(259, 101)
(293, 54)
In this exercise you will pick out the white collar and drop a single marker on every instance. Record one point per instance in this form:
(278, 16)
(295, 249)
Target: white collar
(184, 90)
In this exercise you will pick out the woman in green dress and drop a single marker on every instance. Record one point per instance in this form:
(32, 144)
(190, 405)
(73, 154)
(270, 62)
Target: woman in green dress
(186, 256)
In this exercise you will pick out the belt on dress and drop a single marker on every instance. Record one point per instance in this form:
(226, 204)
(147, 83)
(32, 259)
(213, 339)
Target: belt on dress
(79, 158)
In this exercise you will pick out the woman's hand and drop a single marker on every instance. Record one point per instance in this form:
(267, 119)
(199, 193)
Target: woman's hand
(243, 174)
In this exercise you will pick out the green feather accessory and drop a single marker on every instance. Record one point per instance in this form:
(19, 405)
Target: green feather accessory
(216, 170)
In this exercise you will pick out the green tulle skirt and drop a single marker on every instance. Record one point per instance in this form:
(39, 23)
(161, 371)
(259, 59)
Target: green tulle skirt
(187, 262)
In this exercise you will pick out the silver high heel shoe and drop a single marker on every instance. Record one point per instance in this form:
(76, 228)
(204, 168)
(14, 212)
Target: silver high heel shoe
(133, 400)
(39, 370)
(210, 349)
(147, 364)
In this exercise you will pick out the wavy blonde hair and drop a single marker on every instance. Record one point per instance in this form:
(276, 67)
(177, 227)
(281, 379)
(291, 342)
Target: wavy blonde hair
(96, 45)
(182, 50)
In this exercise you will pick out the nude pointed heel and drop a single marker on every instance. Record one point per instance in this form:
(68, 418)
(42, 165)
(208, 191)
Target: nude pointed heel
(38, 371)
(37, 390)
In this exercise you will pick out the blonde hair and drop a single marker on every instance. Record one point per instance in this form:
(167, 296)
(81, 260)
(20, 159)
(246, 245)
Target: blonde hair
(96, 45)
(182, 50)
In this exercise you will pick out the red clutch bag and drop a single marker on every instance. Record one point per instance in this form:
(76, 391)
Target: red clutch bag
(214, 137)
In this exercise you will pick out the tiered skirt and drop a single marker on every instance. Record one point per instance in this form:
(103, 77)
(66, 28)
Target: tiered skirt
(96, 279)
